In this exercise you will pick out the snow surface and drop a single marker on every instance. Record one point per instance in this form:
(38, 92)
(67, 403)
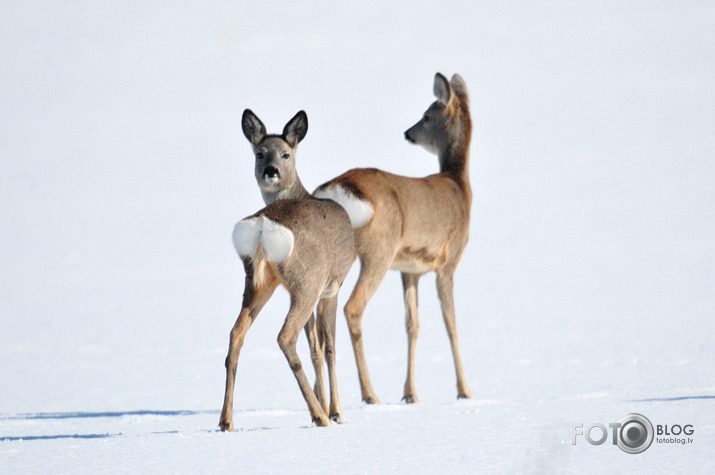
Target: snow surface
(587, 290)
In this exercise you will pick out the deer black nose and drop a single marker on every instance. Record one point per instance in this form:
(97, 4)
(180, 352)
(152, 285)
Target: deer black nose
(271, 172)
(407, 136)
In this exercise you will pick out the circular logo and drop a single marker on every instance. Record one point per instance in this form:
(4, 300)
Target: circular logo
(635, 434)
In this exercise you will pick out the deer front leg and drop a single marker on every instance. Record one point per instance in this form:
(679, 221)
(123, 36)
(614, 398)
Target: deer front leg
(372, 270)
(253, 301)
(317, 355)
(446, 299)
(409, 285)
(297, 317)
(327, 310)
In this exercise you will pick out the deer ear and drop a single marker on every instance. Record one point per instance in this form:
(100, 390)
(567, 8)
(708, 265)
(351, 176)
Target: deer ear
(459, 87)
(441, 89)
(253, 128)
(296, 128)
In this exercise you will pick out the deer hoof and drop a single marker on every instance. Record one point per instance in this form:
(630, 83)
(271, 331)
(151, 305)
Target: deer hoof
(338, 418)
(410, 398)
(226, 426)
(371, 400)
(321, 421)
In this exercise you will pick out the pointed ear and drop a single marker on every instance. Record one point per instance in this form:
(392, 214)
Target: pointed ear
(459, 87)
(441, 89)
(296, 128)
(253, 128)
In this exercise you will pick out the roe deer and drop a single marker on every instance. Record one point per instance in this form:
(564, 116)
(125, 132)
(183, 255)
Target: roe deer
(299, 241)
(414, 225)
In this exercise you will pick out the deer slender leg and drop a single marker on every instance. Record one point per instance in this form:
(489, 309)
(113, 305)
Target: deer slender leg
(317, 355)
(446, 299)
(254, 298)
(372, 270)
(298, 315)
(409, 285)
(326, 316)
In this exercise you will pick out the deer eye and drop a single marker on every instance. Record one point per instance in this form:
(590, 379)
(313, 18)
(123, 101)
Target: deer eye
(259, 156)
(425, 118)
(285, 156)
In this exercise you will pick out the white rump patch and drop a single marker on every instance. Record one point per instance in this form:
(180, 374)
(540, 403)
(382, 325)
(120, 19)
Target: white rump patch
(274, 238)
(360, 211)
(277, 240)
(245, 236)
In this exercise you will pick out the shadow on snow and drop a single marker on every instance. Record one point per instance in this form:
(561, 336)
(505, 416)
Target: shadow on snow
(85, 415)
(668, 399)
(88, 415)
(55, 437)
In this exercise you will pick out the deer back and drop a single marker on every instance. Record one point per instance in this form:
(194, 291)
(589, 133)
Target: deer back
(303, 239)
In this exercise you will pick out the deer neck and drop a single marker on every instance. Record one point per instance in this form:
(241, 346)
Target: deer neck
(454, 161)
(296, 192)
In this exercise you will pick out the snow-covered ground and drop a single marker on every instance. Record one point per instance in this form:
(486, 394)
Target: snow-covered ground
(587, 291)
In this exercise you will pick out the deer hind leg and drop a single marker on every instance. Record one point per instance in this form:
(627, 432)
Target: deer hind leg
(298, 315)
(327, 310)
(317, 355)
(254, 298)
(372, 270)
(409, 285)
(446, 298)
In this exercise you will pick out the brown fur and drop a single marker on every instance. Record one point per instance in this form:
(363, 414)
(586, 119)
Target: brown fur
(322, 253)
(418, 225)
